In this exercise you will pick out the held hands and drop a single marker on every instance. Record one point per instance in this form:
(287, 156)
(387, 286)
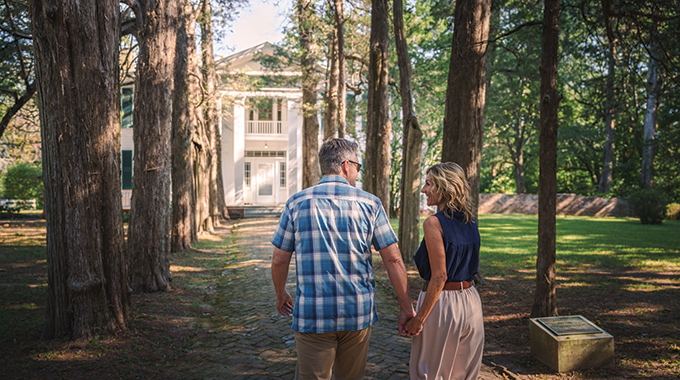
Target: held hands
(284, 304)
(406, 323)
(413, 327)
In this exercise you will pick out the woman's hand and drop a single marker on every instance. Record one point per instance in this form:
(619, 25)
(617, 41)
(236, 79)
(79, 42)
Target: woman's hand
(414, 326)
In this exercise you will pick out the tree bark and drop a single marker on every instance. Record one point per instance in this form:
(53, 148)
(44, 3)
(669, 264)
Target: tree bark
(330, 129)
(466, 90)
(217, 206)
(183, 204)
(409, 203)
(342, 87)
(378, 126)
(310, 124)
(150, 218)
(516, 149)
(77, 80)
(604, 185)
(199, 136)
(653, 84)
(545, 302)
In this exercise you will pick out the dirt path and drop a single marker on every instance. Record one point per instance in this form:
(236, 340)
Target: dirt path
(250, 340)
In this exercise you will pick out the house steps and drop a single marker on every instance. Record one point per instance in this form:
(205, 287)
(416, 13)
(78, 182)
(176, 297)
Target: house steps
(240, 212)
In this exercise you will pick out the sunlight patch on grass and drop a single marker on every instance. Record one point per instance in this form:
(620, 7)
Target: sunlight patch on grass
(24, 306)
(179, 268)
(642, 287)
(255, 262)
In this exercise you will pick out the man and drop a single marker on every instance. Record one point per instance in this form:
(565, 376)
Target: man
(331, 227)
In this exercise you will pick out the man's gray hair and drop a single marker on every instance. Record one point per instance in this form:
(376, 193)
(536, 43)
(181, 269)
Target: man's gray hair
(334, 152)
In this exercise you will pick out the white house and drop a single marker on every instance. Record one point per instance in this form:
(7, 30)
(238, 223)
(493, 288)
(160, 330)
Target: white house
(261, 128)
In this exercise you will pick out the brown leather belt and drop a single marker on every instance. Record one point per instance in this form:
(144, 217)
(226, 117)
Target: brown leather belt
(458, 285)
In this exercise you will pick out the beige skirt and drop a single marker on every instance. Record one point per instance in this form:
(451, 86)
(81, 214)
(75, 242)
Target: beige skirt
(451, 344)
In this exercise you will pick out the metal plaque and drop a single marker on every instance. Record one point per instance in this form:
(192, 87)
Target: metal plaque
(571, 325)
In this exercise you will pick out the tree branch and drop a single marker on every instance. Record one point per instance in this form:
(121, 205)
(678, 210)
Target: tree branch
(30, 90)
(356, 57)
(16, 34)
(515, 30)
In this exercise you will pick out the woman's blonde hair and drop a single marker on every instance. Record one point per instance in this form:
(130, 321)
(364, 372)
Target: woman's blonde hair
(449, 180)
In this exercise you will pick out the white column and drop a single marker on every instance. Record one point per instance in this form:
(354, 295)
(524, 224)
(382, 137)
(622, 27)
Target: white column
(294, 108)
(239, 149)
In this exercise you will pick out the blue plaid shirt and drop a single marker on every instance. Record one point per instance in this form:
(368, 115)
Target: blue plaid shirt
(331, 227)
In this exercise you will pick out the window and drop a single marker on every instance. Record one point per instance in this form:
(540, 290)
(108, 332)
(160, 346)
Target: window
(246, 173)
(265, 153)
(279, 106)
(282, 174)
(126, 165)
(127, 100)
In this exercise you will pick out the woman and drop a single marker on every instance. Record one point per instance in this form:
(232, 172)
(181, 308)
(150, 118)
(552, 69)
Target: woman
(448, 327)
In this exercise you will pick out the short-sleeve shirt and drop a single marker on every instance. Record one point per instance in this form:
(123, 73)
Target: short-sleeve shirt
(461, 244)
(331, 227)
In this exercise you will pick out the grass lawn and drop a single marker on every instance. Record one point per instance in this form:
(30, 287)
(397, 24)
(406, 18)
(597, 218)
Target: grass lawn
(618, 273)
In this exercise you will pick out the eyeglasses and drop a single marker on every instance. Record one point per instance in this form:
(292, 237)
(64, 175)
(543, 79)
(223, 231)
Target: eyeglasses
(358, 165)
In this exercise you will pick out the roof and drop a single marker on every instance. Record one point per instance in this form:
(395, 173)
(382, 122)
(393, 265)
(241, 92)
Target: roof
(245, 62)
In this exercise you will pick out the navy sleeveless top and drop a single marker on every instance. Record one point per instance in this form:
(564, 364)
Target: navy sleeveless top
(461, 243)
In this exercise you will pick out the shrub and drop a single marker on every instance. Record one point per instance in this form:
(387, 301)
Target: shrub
(23, 181)
(649, 205)
(673, 211)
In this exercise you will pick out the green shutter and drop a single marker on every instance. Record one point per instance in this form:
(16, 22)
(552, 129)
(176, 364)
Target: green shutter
(127, 169)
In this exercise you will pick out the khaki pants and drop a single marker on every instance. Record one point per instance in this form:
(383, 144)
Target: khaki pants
(340, 352)
(451, 345)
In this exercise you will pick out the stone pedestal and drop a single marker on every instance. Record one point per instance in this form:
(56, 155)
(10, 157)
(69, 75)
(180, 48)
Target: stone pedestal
(570, 343)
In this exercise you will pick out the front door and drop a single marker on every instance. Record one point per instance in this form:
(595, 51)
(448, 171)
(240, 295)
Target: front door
(264, 187)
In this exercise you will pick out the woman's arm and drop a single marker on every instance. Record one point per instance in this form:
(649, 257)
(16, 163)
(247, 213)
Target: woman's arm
(436, 253)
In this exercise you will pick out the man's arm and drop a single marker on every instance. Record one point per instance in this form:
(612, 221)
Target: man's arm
(280, 263)
(396, 270)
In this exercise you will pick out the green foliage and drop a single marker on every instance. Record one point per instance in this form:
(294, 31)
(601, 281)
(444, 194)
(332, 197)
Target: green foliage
(23, 181)
(649, 205)
(673, 211)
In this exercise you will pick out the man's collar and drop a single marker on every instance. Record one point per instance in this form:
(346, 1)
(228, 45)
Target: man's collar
(333, 178)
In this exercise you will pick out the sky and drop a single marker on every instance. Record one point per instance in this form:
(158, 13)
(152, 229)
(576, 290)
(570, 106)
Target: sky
(260, 21)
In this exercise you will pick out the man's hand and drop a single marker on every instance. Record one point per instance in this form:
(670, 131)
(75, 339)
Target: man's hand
(413, 327)
(404, 317)
(284, 304)
(280, 263)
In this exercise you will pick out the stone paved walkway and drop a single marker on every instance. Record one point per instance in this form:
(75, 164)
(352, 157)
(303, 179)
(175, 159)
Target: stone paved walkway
(252, 341)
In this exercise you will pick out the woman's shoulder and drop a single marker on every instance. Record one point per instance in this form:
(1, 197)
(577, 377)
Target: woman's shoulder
(432, 221)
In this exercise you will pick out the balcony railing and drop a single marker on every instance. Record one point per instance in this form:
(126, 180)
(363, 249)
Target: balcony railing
(260, 127)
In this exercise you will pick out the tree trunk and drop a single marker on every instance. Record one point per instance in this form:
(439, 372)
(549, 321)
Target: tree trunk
(217, 206)
(466, 90)
(77, 79)
(545, 303)
(199, 137)
(653, 84)
(183, 204)
(342, 88)
(310, 124)
(378, 126)
(518, 164)
(150, 219)
(330, 129)
(409, 204)
(609, 122)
